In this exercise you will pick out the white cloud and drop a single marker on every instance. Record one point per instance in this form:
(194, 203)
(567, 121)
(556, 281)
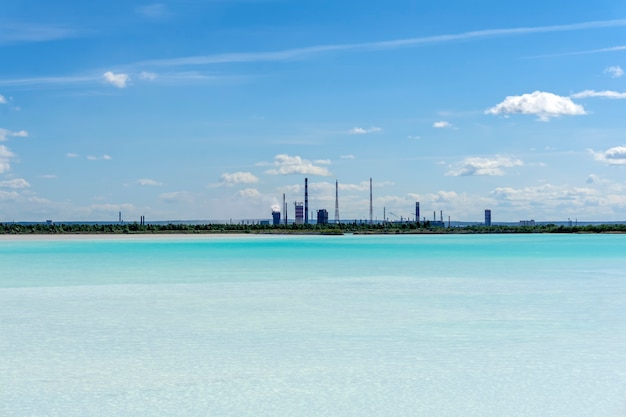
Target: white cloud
(238, 178)
(286, 165)
(612, 156)
(4, 134)
(362, 131)
(347, 157)
(441, 125)
(2, 99)
(72, 155)
(148, 182)
(106, 157)
(483, 166)
(545, 105)
(148, 76)
(615, 71)
(604, 94)
(15, 183)
(116, 80)
(5, 157)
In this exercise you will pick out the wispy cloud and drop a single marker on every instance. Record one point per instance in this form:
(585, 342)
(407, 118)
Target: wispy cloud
(604, 94)
(363, 131)
(157, 11)
(442, 125)
(544, 105)
(347, 156)
(287, 165)
(120, 80)
(614, 72)
(2, 99)
(176, 197)
(149, 182)
(249, 193)
(4, 134)
(145, 75)
(230, 179)
(483, 166)
(298, 53)
(97, 158)
(586, 52)
(557, 200)
(16, 32)
(16, 82)
(15, 183)
(5, 158)
(71, 155)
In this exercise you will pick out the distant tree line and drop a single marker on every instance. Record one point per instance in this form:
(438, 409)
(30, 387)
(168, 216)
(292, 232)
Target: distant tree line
(341, 228)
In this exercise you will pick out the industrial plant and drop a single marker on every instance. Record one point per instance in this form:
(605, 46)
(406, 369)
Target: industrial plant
(301, 213)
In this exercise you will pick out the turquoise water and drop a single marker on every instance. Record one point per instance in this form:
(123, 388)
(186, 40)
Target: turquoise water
(523, 325)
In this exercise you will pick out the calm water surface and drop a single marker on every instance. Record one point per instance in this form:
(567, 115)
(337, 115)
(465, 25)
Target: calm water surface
(310, 326)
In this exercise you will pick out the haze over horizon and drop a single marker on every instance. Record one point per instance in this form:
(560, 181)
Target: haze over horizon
(213, 109)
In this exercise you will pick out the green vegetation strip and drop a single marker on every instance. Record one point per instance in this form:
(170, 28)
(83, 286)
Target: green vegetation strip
(332, 229)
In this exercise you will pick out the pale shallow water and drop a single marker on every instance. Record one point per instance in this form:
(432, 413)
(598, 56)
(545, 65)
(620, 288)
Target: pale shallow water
(524, 325)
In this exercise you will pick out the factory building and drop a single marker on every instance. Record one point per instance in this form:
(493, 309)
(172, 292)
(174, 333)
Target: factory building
(322, 216)
(487, 217)
(276, 218)
(299, 212)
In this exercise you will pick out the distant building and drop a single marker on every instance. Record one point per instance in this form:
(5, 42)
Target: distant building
(264, 222)
(487, 217)
(527, 222)
(299, 212)
(276, 218)
(322, 216)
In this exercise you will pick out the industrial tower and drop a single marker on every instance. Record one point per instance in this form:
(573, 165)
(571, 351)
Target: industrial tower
(306, 201)
(371, 206)
(336, 201)
(417, 212)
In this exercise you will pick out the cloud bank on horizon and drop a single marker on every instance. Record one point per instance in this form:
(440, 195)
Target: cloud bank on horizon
(150, 110)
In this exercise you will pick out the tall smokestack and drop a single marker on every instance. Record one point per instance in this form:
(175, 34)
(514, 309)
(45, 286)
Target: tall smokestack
(371, 206)
(417, 211)
(285, 209)
(306, 201)
(336, 201)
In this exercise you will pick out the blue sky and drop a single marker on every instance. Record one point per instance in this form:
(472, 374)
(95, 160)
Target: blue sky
(195, 109)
